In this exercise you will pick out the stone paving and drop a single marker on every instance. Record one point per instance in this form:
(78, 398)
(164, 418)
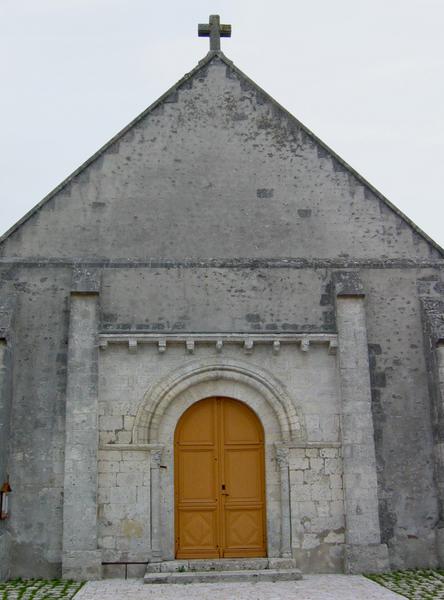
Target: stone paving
(312, 587)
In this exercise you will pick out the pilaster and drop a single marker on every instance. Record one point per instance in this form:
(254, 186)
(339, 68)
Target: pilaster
(439, 450)
(7, 306)
(81, 557)
(433, 322)
(363, 551)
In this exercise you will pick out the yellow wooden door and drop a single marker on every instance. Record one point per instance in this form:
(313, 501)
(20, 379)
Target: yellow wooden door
(219, 481)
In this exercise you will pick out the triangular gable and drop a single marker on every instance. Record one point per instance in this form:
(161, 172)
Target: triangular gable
(170, 94)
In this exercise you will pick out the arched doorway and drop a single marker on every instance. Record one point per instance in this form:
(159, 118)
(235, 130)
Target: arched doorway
(219, 481)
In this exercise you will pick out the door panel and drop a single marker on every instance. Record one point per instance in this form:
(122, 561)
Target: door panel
(198, 481)
(197, 426)
(244, 532)
(243, 474)
(219, 481)
(198, 533)
(240, 424)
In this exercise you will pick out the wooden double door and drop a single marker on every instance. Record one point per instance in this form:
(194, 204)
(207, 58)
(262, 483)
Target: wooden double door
(219, 481)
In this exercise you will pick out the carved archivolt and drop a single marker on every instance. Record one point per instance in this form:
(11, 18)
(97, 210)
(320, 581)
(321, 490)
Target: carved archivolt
(208, 375)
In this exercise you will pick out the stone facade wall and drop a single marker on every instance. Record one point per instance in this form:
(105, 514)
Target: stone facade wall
(124, 517)
(399, 379)
(5, 549)
(402, 391)
(264, 246)
(309, 376)
(317, 508)
(37, 418)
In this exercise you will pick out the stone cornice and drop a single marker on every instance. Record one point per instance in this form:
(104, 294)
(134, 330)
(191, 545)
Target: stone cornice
(226, 263)
(219, 340)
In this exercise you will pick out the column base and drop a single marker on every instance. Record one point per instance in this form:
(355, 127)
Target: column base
(82, 565)
(156, 558)
(366, 558)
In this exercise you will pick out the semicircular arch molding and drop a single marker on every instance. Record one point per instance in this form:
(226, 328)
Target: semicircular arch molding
(182, 381)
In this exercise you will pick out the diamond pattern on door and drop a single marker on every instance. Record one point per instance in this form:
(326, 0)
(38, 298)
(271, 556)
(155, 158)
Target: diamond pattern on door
(245, 528)
(219, 481)
(197, 529)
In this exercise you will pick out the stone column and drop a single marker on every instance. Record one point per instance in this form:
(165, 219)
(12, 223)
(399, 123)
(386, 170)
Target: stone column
(363, 551)
(6, 346)
(156, 544)
(282, 454)
(81, 558)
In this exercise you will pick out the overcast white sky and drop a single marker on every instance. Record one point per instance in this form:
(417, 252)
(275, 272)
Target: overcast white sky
(366, 76)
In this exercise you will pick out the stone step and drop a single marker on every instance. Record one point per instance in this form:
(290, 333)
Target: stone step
(247, 575)
(221, 564)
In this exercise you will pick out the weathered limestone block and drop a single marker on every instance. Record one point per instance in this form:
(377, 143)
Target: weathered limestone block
(4, 555)
(364, 558)
(124, 522)
(317, 509)
(82, 565)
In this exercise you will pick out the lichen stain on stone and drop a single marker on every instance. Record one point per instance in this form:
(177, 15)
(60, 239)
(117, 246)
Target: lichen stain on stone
(132, 528)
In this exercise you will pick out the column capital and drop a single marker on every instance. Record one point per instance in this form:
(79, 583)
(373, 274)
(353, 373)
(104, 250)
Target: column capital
(282, 456)
(156, 457)
(348, 283)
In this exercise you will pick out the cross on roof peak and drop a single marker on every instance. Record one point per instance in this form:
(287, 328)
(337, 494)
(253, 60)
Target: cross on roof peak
(214, 30)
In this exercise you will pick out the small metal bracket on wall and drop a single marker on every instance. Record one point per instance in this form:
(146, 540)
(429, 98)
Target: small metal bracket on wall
(5, 490)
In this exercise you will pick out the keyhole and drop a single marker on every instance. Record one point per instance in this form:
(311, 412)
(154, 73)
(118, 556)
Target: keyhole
(223, 486)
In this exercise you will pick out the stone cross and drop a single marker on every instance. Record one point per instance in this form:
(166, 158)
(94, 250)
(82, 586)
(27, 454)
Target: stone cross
(214, 30)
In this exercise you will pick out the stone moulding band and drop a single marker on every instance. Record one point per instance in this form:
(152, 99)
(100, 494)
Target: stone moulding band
(132, 447)
(227, 263)
(247, 341)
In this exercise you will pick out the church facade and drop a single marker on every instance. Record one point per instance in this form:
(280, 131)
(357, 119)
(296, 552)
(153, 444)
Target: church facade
(218, 340)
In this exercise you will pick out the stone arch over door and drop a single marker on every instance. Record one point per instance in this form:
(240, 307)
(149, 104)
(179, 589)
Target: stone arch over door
(187, 380)
(168, 399)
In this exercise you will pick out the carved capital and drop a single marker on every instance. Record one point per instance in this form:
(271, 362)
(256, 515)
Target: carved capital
(282, 456)
(156, 458)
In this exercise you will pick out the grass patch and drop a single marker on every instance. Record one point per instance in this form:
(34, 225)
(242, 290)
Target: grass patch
(39, 589)
(415, 584)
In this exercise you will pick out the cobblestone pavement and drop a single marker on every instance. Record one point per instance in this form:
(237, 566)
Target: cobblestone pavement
(312, 587)
(38, 589)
